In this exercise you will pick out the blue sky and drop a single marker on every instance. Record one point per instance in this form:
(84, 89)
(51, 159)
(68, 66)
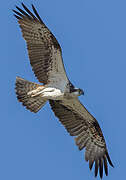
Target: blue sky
(92, 35)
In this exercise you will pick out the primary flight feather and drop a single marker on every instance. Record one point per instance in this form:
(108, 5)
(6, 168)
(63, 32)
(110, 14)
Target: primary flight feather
(46, 60)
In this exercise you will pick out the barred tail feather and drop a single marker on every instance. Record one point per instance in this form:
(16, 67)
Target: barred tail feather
(23, 87)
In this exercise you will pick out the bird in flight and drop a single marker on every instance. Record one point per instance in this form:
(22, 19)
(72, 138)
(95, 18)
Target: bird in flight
(45, 57)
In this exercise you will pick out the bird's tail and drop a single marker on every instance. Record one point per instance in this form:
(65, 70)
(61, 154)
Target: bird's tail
(28, 93)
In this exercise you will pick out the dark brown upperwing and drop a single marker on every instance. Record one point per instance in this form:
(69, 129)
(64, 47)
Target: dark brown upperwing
(88, 135)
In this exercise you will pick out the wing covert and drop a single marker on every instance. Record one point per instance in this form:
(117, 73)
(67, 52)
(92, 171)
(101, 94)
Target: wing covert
(87, 131)
(43, 49)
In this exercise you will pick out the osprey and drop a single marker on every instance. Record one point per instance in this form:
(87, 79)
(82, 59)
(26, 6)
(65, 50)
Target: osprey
(46, 60)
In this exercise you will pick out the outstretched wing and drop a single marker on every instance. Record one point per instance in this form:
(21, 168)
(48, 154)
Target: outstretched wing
(43, 48)
(80, 123)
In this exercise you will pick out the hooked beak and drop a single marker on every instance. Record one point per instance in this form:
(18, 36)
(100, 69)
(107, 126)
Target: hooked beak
(82, 92)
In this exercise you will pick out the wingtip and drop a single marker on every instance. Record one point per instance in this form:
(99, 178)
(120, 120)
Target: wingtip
(36, 13)
(17, 17)
(109, 160)
(13, 10)
(96, 167)
(33, 7)
(112, 164)
(101, 167)
(91, 164)
(23, 5)
(101, 176)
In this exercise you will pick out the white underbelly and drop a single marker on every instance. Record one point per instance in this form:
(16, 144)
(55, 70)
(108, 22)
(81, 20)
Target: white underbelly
(52, 93)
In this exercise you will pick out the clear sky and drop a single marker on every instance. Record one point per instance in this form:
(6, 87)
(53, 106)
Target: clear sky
(92, 34)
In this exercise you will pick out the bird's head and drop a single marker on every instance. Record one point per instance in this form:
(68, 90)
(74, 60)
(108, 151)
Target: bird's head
(81, 92)
(78, 91)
